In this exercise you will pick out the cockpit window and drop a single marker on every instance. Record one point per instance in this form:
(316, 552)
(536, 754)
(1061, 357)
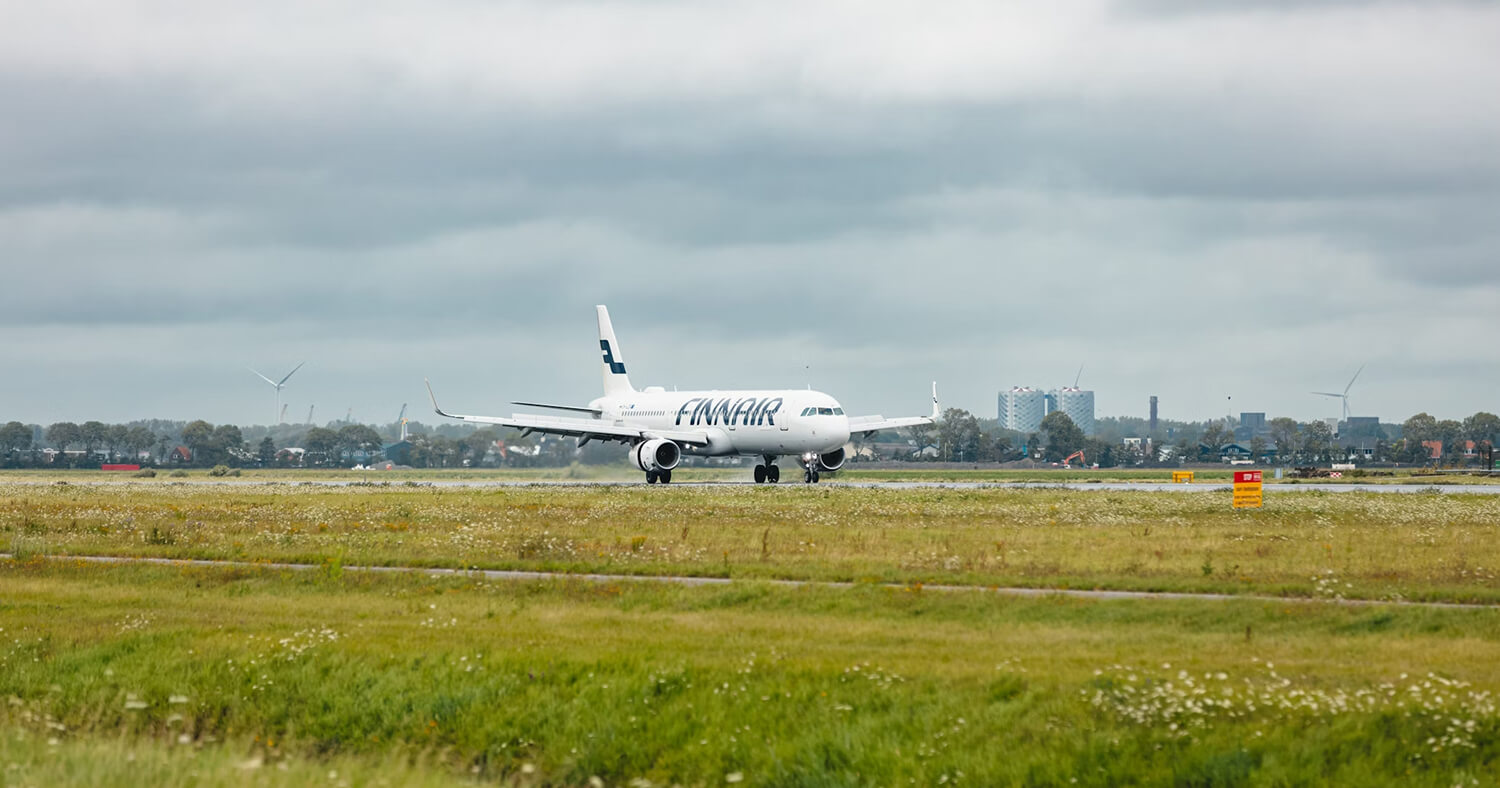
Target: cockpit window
(806, 411)
(825, 411)
(838, 411)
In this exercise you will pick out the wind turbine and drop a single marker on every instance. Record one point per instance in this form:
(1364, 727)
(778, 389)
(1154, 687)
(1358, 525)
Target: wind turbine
(402, 420)
(279, 386)
(309, 413)
(1344, 396)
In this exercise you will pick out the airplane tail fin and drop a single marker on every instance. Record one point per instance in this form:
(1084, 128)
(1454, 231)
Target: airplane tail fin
(616, 382)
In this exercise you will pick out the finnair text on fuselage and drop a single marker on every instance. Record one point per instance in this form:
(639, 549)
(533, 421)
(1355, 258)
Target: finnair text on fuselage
(744, 411)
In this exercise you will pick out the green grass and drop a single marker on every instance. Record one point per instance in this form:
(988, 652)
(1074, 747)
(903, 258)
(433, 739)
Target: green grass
(411, 679)
(914, 472)
(1311, 544)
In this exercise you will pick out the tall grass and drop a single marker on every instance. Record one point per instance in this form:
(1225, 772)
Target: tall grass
(559, 683)
(1349, 545)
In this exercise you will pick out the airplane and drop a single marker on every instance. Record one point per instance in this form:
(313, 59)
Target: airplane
(661, 426)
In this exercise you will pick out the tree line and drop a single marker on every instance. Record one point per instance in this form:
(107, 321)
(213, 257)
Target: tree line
(962, 437)
(959, 436)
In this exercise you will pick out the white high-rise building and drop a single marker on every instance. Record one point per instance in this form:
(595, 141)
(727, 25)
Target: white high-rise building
(1078, 404)
(1022, 409)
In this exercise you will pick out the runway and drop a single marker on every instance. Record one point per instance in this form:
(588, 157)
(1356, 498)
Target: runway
(684, 580)
(1201, 487)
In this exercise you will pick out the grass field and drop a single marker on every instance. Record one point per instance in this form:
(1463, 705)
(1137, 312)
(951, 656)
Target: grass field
(915, 472)
(137, 674)
(1352, 545)
(128, 675)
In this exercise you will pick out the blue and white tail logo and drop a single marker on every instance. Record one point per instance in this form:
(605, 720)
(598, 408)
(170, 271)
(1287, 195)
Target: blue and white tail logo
(615, 367)
(616, 382)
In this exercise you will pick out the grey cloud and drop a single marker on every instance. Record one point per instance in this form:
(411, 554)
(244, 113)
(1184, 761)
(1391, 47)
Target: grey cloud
(853, 207)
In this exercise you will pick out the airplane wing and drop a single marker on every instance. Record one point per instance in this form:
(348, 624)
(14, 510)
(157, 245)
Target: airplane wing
(859, 425)
(574, 408)
(586, 429)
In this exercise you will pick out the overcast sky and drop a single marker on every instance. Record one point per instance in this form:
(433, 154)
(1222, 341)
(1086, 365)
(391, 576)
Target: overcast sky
(1190, 198)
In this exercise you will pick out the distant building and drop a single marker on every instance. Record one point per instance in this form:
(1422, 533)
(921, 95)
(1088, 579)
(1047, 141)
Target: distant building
(1252, 425)
(1362, 427)
(399, 452)
(1077, 403)
(1153, 415)
(1021, 409)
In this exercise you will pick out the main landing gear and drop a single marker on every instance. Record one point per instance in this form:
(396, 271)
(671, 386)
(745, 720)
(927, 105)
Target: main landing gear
(768, 472)
(652, 477)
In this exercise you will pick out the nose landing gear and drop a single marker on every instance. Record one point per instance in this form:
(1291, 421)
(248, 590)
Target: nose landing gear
(810, 468)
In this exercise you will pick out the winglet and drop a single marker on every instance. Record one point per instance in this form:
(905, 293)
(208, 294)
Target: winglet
(433, 397)
(935, 412)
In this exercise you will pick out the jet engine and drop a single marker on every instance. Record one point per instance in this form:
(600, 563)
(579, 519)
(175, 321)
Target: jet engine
(831, 461)
(660, 454)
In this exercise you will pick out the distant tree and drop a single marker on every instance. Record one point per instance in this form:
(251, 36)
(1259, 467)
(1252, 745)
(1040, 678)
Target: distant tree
(137, 440)
(958, 436)
(117, 434)
(1284, 433)
(15, 438)
(358, 437)
(228, 444)
(1482, 428)
(94, 434)
(922, 436)
(1257, 448)
(322, 442)
(64, 434)
(1451, 433)
(163, 446)
(1317, 440)
(441, 450)
(1420, 427)
(198, 437)
(1062, 435)
(266, 452)
(995, 447)
(1215, 436)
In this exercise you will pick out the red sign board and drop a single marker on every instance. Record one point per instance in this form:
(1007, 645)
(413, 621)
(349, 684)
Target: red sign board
(1247, 477)
(119, 467)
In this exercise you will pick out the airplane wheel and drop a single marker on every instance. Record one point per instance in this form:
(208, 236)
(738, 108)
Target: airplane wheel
(773, 474)
(807, 477)
(814, 477)
(760, 474)
(651, 477)
(665, 476)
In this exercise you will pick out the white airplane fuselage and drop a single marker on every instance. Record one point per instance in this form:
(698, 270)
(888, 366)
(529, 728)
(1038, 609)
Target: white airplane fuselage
(769, 422)
(660, 426)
